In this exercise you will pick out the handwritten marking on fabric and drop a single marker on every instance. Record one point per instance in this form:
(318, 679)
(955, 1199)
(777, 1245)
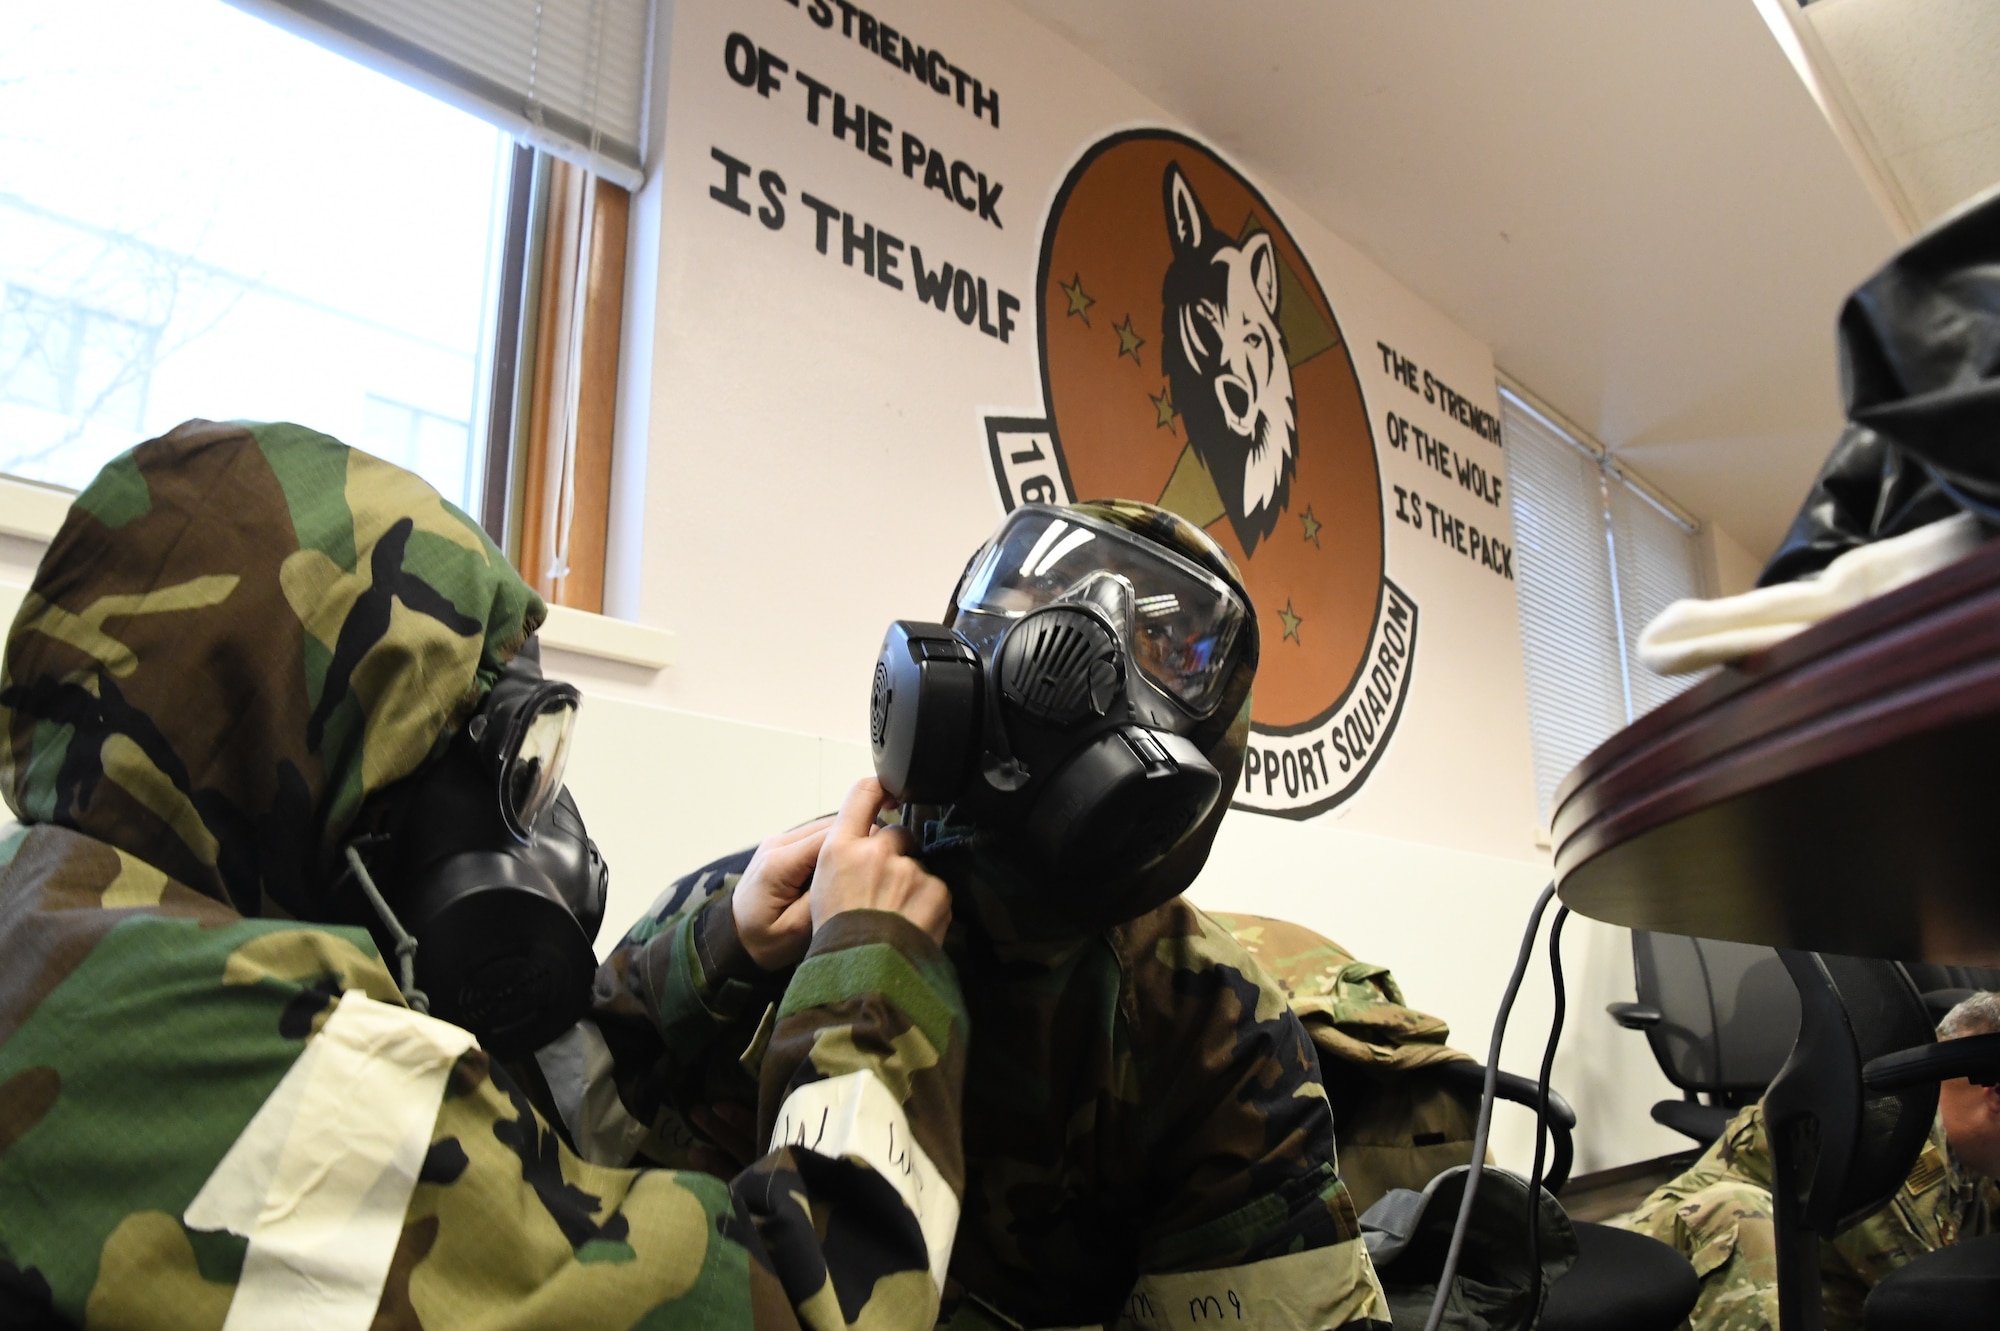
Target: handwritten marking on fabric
(1322, 1287)
(321, 1178)
(854, 1116)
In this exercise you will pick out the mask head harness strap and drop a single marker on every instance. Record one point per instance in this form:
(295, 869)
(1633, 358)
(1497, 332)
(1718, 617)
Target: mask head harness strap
(406, 943)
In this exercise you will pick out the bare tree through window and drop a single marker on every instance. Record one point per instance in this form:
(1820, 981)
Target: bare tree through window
(204, 215)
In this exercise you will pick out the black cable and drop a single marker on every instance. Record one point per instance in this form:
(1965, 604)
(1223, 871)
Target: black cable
(1542, 1116)
(1486, 1099)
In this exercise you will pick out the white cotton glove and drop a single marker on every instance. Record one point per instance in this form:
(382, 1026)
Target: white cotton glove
(1692, 635)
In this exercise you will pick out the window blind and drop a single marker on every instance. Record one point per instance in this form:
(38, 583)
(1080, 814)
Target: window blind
(1569, 622)
(569, 76)
(1657, 563)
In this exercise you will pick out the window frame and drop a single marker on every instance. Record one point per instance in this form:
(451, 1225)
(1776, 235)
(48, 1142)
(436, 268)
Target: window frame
(546, 376)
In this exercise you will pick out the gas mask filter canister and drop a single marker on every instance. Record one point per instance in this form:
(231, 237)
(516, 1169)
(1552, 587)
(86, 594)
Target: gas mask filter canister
(1057, 705)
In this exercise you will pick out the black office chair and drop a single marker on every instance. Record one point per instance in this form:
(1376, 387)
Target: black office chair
(1945, 987)
(1721, 1017)
(1620, 1279)
(1846, 1118)
(1955, 1288)
(1467, 1080)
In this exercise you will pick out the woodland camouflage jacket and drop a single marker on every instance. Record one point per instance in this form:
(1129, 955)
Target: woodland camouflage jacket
(1397, 1127)
(1719, 1213)
(239, 634)
(1146, 1138)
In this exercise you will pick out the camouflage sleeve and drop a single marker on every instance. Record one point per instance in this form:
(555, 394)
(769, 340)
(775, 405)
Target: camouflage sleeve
(1718, 1213)
(1248, 1213)
(1724, 1225)
(114, 1145)
(848, 1220)
(682, 968)
(678, 1001)
(862, 1085)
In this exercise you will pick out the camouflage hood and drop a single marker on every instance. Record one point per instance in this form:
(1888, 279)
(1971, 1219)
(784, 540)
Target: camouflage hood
(239, 634)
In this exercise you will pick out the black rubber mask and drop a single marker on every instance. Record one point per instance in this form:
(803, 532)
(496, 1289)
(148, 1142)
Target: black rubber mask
(484, 861)
(1058, 714)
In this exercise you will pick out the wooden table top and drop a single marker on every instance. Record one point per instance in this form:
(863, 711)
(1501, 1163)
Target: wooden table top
(1839, 792)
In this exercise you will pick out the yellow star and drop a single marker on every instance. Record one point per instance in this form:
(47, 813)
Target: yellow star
(1292, 621)
(1313, 525)
(1164, 410)
(1129, 341)
(1079, 304)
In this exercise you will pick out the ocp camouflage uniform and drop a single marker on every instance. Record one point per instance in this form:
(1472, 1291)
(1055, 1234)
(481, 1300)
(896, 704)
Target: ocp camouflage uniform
(1719, 1213)
(1395, 1129)
(237, 637)
(1147, 1140)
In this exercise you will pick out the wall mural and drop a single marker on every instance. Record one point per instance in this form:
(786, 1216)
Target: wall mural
(1190, 357)
(1116, 314)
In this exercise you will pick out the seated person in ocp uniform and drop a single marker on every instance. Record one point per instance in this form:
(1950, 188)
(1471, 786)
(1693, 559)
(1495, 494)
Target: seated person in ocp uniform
(1145, 1127)
(1720, 1214)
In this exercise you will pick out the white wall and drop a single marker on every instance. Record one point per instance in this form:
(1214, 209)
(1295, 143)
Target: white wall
(18, 559)
(815, 454)
(1727, 568)
(664, 791)
(814, 467)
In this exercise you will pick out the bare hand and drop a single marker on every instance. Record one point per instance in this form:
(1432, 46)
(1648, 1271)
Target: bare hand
(865, 867)
(773, 916)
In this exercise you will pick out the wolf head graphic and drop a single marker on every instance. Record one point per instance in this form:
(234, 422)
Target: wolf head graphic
(1225, 360)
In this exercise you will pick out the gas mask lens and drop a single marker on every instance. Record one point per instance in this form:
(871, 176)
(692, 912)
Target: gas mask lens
(521, 734)
(534, 773)
(1180, 619)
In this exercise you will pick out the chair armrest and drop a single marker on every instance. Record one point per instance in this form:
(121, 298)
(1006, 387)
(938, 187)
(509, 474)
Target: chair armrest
(1521, 1090)
(1974, 1056)
(1635, 1016)
(1469, 1078)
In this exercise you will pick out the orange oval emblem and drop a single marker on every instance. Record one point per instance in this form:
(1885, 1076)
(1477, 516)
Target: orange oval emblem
(1191, 359)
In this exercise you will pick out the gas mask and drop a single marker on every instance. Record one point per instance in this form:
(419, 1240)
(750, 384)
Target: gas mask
(490, 890)
(1066, 707)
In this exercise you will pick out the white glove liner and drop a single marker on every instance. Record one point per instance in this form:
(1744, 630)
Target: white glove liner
(1692, 635)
